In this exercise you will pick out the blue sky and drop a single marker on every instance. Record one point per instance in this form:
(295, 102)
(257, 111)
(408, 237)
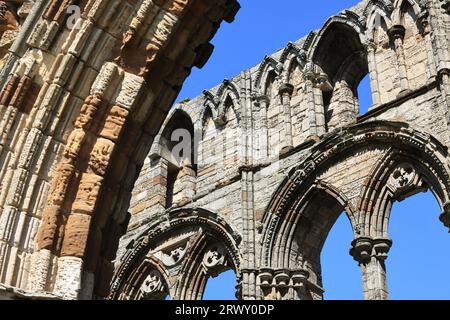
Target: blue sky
(419, 259)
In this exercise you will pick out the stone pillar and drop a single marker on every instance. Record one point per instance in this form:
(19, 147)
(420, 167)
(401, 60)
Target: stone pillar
(315, 84)
(371, 255)
(286, 91)
(248, 212)
(321, 84)
(373, 72)
(425, 31)
(397, 34)
(311, 111)
(263, 102)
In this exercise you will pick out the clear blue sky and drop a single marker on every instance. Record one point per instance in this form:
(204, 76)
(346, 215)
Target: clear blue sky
(419, 259)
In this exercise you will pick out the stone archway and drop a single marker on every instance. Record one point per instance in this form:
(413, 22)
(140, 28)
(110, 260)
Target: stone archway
(117, 93)
(305, 206)
(179, 254)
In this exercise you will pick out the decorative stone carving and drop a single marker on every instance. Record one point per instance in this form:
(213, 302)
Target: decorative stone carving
(153, 286)
(174, 256)
(215, 260)
(87, 194)
(276, 283)
(60, 184)
(88, 111)
(403, 179)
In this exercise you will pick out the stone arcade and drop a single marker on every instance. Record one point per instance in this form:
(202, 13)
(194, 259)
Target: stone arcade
(93, 204)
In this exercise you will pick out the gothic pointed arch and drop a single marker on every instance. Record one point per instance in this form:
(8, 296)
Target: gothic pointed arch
(399, 10)
(178, 119)
(229, 97)
(376, 14)
(400, 174)
(188, 246)
(344, 35)
(303, 209)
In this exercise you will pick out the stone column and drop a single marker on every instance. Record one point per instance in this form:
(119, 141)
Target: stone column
(286, 90)
(321, 84)
(263, 102)
(371, 255)
(373, 72)
(311, 112)
(248, 273)
(315, 83)
(425, 31)
(397, 34)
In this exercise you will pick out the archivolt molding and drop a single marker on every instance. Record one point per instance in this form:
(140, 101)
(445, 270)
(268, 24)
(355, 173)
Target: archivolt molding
(269, 64)
(348, 18)
(384, 5)
(302, 179)
(398, 6)
(211, 235)
(292, 54)
(398, 175)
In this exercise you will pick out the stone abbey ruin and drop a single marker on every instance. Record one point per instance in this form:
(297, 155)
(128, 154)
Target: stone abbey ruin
(95, 203)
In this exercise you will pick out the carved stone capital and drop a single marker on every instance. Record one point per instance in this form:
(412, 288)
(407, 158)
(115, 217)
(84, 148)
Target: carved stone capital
(286, 89)
(396, 32)
(153, 287)
(364, 248)
(276, 282)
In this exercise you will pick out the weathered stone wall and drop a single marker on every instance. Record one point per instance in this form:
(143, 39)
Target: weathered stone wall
(83, 94)
(283, 151)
